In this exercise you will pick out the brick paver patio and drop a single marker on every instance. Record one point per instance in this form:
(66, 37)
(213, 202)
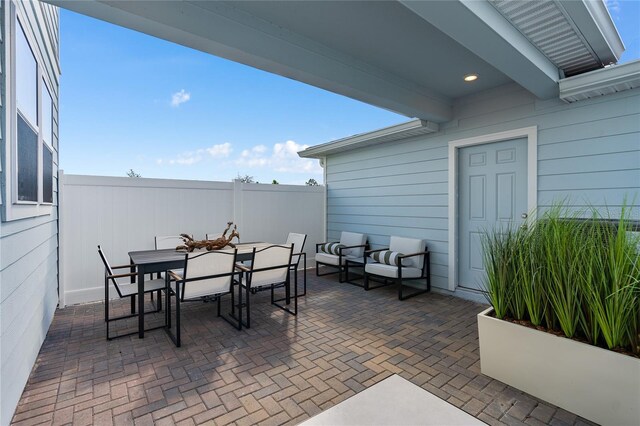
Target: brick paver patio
(281, 371)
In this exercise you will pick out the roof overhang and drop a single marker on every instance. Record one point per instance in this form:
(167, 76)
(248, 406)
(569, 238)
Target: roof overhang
(602, 82)
(479, 27)
(406, 56)
(388, 134)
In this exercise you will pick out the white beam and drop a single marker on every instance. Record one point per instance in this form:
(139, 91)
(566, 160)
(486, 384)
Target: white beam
(479, 27)
(236, 35)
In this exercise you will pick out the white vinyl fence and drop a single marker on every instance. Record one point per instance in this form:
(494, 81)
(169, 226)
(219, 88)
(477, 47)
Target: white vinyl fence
(124, 214)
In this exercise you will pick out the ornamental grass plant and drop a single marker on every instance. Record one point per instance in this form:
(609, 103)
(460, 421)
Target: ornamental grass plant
(572, 273)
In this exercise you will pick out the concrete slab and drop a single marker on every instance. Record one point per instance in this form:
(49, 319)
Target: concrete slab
(394, 401)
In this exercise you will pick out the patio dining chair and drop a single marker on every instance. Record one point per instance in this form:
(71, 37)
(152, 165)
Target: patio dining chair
(123, 290)
(270, 268)
(164, 243)
(207, 274)
(298, 241)
(335, 254)
(405, 259)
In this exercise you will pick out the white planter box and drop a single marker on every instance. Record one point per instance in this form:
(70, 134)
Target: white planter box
(597, 384)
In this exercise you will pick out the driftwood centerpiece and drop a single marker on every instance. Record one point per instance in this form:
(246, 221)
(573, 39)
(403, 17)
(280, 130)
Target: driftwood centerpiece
(219, 243)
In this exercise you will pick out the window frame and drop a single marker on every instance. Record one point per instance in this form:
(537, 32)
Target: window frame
(15, 209)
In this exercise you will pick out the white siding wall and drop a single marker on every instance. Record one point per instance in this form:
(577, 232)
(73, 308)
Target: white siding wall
(28, 247)
(588, 151)
(124, 214)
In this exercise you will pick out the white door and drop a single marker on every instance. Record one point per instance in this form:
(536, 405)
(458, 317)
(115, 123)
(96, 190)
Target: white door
(492, 191)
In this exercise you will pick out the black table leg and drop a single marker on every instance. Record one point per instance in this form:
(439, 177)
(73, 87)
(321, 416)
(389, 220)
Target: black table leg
(141, 301)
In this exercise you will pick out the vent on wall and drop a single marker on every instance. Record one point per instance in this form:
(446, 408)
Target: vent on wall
(551, 30)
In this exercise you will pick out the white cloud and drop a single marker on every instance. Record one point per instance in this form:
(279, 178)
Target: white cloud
(188, 158)
(222, 150)
(283, 158)
(180, 97)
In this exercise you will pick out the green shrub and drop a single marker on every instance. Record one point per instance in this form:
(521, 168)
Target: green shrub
(581, 276)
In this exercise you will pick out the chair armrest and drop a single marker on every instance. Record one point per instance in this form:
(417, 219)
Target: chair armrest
(130, 274)
(242, 267)
(414, 254)
(175, 276)
(367, 252)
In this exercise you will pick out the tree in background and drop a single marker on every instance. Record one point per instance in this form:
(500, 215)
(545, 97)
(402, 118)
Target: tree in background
(245, 179)
(311, 182)
(131, 173)
(275, 182)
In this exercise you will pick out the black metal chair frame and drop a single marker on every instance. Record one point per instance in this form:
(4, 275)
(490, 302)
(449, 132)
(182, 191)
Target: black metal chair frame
(385, 281)
(181, 284)
(246, 274)
(113, 277)
(302, 255)
(340, 266)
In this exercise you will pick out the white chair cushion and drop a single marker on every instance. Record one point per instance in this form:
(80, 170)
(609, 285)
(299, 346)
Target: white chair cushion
(349, 239)
(331, 259)
(409, 246)
(390, 271)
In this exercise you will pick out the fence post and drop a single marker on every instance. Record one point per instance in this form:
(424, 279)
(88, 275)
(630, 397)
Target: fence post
(61, 241)
(237, 203)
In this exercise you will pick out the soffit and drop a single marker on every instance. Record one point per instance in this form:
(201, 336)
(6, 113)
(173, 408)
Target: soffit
(549, 27)
(385, 35)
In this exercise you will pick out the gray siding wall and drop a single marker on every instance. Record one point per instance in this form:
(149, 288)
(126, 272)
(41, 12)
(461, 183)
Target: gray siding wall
(587, 151)
(28, 247)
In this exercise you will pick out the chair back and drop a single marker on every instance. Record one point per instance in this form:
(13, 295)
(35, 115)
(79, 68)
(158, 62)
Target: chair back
(270, 265)
(298, 241)
(409, 246)
(207, 273)
(168, 242)
(108, 270)
(353, 239)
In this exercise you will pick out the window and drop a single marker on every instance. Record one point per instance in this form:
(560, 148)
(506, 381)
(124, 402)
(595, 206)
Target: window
(27, 118)
(47, 146)
(30, 149)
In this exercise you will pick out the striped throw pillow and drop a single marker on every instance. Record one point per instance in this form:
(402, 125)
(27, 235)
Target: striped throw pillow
(387, 257)
(331, 248)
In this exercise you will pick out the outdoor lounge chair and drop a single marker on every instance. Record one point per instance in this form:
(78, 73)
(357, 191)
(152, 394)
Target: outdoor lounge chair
(128, 289)
(298, 241)
(270, 268)
(404, 259)
(334, 255)
(206, 275)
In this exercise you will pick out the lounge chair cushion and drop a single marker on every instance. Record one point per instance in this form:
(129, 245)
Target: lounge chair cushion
(409, 246)
(349, 239)
(391, 271)
(331, 248)
(388, 257)
(331, 259)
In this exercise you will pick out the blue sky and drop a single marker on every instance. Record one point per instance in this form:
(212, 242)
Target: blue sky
(128, 100)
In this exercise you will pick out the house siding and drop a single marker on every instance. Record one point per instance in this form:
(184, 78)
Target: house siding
(588, 154)
(28, 247)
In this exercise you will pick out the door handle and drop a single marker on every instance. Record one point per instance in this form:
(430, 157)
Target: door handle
(524, 215)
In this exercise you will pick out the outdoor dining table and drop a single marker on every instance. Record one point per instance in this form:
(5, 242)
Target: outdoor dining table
(154, 261)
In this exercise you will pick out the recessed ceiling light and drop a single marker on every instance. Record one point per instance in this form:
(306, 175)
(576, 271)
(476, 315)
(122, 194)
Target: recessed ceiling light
(470, 77)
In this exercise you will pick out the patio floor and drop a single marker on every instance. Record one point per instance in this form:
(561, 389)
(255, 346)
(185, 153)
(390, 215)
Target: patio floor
(281, 371)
